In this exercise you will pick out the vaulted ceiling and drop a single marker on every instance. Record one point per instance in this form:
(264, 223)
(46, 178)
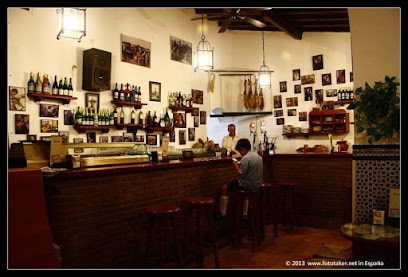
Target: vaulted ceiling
(292, 21)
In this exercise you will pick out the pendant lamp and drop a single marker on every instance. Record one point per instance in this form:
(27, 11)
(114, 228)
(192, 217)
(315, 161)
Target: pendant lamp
(264, 76)
(204, 52)
(71, 23)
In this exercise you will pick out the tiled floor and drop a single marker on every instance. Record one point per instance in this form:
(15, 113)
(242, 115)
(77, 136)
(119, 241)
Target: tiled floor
(290, 250)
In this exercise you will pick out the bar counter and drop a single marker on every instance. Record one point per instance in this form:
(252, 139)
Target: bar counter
(97, 215)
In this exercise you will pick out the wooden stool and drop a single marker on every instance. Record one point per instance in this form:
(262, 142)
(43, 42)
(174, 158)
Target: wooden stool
(347, 203)
(267, 201)
(203, 207)
(288, 201)
(162, 217)
(254, 231)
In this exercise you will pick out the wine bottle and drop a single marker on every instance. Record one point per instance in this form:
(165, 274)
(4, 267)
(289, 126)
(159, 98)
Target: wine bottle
(115, 116)
(121, 93)
(78, 117)
(133, 117)
(112, 118)
(44, 87)
(122, 116)
(126, 92)
(55, 86)
(167, 120)
(38, 84)
(60, 88)
(70, 87)
(139, 95)
(141, 117)
(154, 121)
(115, 92)
(31, 84)
(65, 87)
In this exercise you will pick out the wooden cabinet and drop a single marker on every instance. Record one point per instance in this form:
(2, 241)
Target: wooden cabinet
(328, 122)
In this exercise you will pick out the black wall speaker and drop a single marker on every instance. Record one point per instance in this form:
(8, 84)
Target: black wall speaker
(96, 70)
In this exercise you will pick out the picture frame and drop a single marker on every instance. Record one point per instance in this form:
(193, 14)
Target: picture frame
(155, 91)
(280, 121)
(195, 112)
(78, 149)
(278, 113)
(135, 51)
(22, 123)
(49, 125)
(307, 79)
(139, 138)
(318, 96)
(49, 110)
(92, 101)
(283, 86)
(182, 137)
(179, 119)
(341, 76)
(31, 138)
(191, 134)
(291, 102)
(302, 116)
(326, 79)
(203, 117)
(65, 136)
(291, 112)
(17, 98)
(331, 92)
(317, 62)
(116, 138)
(151, 139)
(308, 93)
(198, 96)
(277, 101)
(181, 50)
(103, 139)
(91, 137)
(69, 117)
(297, 89)
(128, 137)
(296, 74)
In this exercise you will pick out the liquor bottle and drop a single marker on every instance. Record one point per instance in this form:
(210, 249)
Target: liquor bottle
(65, 87)
(31, 84)
(115, 116)
(133, 94)
(141, 117)
(154, 120)
(148, 118)
(126, 92)
(60, 88)
(162, 124)
(115, 92)
(55, 86)
(44, 87)
(167, 120)
(121, 93)
(122, 116)
(139, 95)
(133, 117)
(78, 117)
(112, 118)
(38, 84)
(70, 87)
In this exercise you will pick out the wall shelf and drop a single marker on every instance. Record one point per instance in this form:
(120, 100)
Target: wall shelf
(186, 109)
(121, 103)
(65, 99)
(227, 114)
(83, 128)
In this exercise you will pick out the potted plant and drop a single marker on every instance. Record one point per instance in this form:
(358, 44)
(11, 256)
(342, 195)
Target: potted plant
(377, 110)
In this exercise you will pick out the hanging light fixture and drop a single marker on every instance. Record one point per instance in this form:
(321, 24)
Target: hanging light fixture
(264, 72)
(71, 23)
(204, 51)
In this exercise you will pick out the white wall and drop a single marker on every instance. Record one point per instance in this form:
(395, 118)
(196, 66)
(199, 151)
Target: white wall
(32, 46)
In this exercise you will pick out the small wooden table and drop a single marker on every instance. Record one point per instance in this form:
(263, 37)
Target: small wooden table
(374, 243)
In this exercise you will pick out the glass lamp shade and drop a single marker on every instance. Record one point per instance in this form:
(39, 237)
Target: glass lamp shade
(71, 23)
(264, 77)
(204, 55)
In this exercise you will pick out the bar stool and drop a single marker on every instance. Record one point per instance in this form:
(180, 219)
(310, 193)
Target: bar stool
(267, 201)
(253, 230)
(347, 203)
(203, 207)
(287, 194)
(161, 222)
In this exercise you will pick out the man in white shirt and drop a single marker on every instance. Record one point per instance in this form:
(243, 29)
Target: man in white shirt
(229, 141)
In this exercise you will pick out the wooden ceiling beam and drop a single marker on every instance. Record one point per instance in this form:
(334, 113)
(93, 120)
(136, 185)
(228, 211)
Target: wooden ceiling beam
(282, 24)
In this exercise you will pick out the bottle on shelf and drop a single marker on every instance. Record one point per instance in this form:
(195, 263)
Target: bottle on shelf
(115, 92)
(112, 118)
(121, 116)
(121, 93)
(162, 124)
(148, 118)
(78, 116)
(70, 88)
(55, 86)
(133, 117)
(38, 84)
(60, 88)
(126, 92)
(155, 122)
(167, 120)
(31, 84)
(141, 118)
(65, 87)
(45, 87)
(115, 116)
(139, 95)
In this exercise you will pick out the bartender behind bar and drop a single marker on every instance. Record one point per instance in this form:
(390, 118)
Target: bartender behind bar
(230, 140)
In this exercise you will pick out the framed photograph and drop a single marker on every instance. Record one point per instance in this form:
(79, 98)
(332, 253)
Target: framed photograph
(298, 89)
(196, 120)
(128, 137)
(331, 92)
(291, 112)
(326, 79)
(116, 138)
(181, 50)
(302, 116)
(135, 51)
(308, 93)
(22, 123)
(291, 102)
(280, 121)
(341, 76)
(103, 139)
(317, 62)
(172, 135)
(283, 87)
(17, 98)
(91, 137)
(65, 136)
(296, 74)
(179, 120)
(48, 110)
(198, 96)
(278, 113)
(31, 137)
(154, 91)
(319, 96)
(277, 101)
(182, 137)
(151, 139)
(92, 101)
(203, 117)
(77, 149)
(191, 134)
(139, 138)
(195, 112)
(49, 126)
(307, 79)
(69, 117)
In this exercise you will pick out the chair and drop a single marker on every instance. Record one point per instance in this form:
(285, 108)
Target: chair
(161, 222)
(202, 206)
(253, 229)
(268, 204)
(287, 199)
